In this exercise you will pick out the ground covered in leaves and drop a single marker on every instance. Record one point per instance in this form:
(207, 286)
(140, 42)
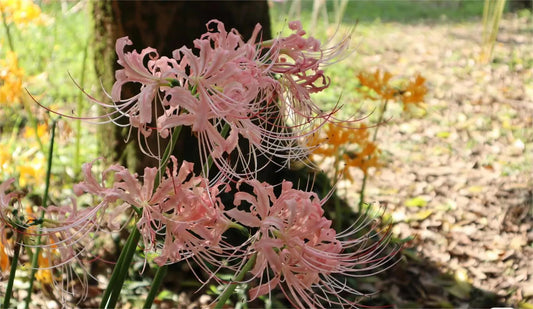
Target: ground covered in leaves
(459, 177)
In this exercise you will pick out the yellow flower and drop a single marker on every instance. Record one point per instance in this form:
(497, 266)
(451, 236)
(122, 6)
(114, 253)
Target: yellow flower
(42, 132)
(11, 77)
(5, 157)
(21, 12)
(32, 172)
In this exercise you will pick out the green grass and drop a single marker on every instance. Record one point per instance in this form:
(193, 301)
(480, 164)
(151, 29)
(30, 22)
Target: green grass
(403, 11)
(413, 11)
(57, 50)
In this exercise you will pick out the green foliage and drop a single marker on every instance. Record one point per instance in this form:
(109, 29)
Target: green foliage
(57, 50)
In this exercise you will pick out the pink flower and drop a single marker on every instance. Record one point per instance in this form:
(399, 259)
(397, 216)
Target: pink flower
(70, 230)
(61, 242)
(182, 218)
(182, 209)
(298, 250)
(139, 107)
(298, 63)
(229, 89)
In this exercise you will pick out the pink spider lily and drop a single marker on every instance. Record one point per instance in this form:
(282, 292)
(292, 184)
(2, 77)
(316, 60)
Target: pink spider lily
(236, 85)
(181, 219)
(230, 89)
(60, 246)
(298, 251)
(139, 108)
(298, 62)
(227, 90)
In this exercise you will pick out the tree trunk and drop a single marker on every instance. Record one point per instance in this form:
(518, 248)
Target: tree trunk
(515, 5)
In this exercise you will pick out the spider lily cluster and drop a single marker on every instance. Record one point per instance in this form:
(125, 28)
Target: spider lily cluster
(226, 90)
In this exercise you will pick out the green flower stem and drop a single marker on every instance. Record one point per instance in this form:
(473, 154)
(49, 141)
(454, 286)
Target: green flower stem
(158, 280)
(374, 138)
(35, 257)
(112, 292)
(232, 286)
(13, 270)
(336, 201)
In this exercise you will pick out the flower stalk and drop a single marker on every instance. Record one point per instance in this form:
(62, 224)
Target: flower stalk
(77, 146)
(233, 285)
(374, 139)
(35, 258)
(14, 264)
(112, 292)
(6, 28)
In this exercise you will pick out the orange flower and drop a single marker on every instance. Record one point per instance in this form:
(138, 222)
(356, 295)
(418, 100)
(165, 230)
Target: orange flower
(379, 83)
(414, 92)
(339, 142)
(4, 259)
(365, 159)
(44, 274)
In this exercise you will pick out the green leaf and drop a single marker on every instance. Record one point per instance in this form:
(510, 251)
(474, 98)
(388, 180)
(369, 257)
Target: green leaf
(443, 134)
(421, 215)
(416, 202)
(166, 294)
(525, 305)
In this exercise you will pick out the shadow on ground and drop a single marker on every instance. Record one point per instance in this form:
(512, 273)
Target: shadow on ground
(416, 282)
